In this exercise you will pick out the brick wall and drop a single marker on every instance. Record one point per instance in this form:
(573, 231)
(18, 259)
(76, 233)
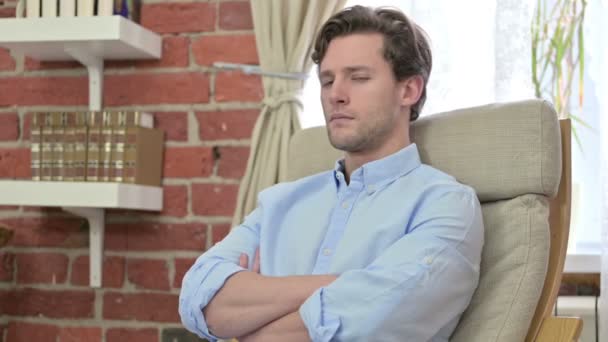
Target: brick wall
(207, 116)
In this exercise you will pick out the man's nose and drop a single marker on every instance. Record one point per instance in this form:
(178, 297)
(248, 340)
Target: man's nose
(339, 93)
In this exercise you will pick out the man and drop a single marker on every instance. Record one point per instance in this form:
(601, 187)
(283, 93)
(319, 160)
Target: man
(383, 248)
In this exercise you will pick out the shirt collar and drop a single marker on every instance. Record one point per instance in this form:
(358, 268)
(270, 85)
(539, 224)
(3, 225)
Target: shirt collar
(383, 170)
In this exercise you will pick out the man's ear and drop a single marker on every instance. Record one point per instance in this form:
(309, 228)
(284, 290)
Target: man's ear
(412, 90)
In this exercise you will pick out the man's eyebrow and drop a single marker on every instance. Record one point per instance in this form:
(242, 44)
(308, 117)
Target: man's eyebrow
(348, 70)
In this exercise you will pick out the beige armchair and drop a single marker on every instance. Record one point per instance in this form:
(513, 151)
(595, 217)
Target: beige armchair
(517, 160)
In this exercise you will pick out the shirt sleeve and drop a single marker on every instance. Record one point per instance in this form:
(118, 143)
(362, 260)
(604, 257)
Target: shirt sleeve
(418, 286)
(211, 270)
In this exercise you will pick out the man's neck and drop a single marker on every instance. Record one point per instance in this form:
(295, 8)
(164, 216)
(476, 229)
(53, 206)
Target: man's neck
(354, 160)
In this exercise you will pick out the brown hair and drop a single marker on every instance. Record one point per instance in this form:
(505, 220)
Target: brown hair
(405, 43)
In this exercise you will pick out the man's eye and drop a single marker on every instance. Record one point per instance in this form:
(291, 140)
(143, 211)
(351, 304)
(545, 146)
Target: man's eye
(360, 78)
(327, 83)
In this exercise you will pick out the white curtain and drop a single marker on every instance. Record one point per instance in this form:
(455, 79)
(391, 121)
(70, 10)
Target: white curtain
(284, 32)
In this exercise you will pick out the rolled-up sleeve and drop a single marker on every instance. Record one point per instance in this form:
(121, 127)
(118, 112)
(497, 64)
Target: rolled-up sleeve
(211, 270)
(418, 286)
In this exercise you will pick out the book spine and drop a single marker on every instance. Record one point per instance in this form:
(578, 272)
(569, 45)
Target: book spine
(57, 147)
(36, 145)
(46, 144)
(106, 147)
(105, 7)
(69, 142)
(130, 154)
(85, 8)
(94, 146)
(49, 8)
(67, 8)
(81, 132)
(32, 9)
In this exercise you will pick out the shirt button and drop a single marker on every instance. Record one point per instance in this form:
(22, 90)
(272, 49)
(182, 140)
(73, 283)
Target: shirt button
(344, 205)
(326, 251)
(371, 188)
(428, 260)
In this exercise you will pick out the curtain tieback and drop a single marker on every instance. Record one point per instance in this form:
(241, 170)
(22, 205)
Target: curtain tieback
(275, 101)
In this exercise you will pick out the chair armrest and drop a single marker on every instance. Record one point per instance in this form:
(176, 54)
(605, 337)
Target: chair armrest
(560, 329)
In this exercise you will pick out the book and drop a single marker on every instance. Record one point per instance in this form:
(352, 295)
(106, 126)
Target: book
(49, 8)
(105, 7)
(120, 122)
(81, 132)
(32, 8)
(106, 146)
(85, 8)
(58, 131)
(46, 143)
(142, 156)
(69, 146)
(67, 8)
(36, 144)
(94, 146)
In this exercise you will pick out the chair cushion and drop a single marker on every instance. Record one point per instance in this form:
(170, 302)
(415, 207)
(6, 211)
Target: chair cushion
(513, 269)
(501, 150)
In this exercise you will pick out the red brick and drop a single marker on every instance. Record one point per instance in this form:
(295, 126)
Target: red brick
(235, 124)
(179, 17)
(7, 266)
(80, 334)
(232, 49)
(27, 123)
(236, 15)
(175, 125)
(172, 88)
(44, 91)
(22, 331)
(236, 86)
(48, 232)
(15, 163)
(153, 307)
(148, 274)
(7, 62)
(151, 236)
(113, 271)
(182, 265)
(219, 232)
(175, 200)
(214, 199)
(174, 54)
(7, 12)
(45, 303)
(9, 126)
(132, 335)
(34, 64)
(188, 162)
(42, 268)
(232, 162)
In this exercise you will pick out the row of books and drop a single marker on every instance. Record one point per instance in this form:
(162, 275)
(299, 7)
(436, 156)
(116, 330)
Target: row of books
(99, 146)
(82, 8)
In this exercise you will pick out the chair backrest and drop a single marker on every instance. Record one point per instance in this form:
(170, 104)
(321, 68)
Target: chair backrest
(511, 154)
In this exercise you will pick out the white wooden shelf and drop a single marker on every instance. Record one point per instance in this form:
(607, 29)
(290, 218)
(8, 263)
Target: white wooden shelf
(89, 40)
(86, 199)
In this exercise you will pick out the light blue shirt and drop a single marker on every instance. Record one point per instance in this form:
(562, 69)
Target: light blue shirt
(404, 238)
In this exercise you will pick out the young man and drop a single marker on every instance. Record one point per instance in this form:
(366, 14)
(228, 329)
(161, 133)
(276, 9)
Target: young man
(382, 248)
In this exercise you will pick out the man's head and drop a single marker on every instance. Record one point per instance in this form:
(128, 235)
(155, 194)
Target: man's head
(373, 66)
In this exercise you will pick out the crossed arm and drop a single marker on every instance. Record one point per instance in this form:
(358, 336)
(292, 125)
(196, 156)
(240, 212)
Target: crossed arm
(260, 308)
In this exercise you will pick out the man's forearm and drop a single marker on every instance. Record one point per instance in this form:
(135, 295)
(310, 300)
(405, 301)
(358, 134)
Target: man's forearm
(287, 328)
(249, 301)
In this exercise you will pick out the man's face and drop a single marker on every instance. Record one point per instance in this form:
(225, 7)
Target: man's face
(361, 98)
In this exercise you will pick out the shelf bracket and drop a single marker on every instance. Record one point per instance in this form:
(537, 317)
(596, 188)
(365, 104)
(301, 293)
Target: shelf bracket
(96, 219)
(94, 66)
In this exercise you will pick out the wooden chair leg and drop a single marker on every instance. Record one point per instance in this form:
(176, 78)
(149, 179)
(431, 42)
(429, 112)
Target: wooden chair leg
(560, 329)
